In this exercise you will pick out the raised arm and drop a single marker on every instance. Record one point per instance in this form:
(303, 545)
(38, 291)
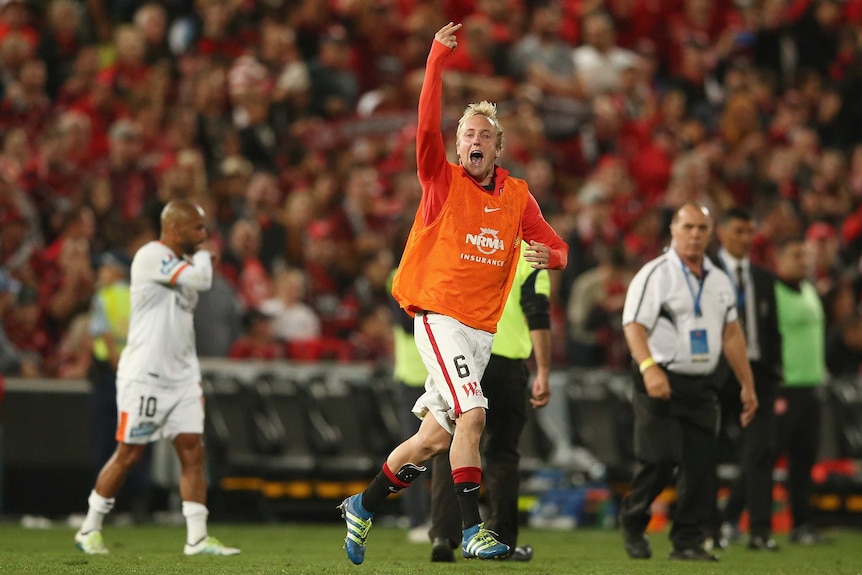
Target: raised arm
(433, 169)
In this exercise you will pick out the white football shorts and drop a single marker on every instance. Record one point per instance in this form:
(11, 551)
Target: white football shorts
(147, 412)
(455, 356)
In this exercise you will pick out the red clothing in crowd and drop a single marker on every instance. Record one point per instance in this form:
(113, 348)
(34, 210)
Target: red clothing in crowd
(247, 348)
(227, 49)
(101, 119)
(29, 34)
(127, 78)
(681, 29)
(250, 279)
(638, 20)
(131, 189)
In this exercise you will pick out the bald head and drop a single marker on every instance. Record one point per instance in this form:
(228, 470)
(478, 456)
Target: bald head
(183, 226)
(692, 209)
(180, 211)
(691, 230)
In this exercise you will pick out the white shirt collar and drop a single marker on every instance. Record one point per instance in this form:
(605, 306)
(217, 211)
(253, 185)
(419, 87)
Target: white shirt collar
(731, 262)
(707, 263)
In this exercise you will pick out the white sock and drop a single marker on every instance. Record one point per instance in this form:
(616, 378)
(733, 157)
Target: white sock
(196, 521)
(99, 508)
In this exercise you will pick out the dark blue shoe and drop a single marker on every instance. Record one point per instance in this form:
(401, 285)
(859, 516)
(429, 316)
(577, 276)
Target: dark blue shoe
(358, 522)
(480, 543)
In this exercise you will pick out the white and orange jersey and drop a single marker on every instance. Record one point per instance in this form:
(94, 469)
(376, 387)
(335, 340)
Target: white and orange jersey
(161, 342)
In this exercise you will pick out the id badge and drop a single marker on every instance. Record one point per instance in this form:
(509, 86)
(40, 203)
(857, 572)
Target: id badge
(699, 345)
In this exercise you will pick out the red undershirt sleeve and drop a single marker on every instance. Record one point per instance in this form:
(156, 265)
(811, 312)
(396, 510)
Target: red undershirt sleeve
(434, 171)
(535, 228)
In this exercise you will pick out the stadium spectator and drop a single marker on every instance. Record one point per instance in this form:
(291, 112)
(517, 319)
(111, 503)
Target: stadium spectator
(773, 32)
(599, 62)
(132, 184)
(12, 360)
(542, 58)
(242, 266)
(67, 276)
(262, 199)
(816, 35)
(258, 340)
(151, 20)
(594, 227)
(15, 20)
(251, 96)
(130, 73)
(19, 240)
(228, 190)
(595, 311)
(293, 319)
(218, 315)
(296, 214)
(24, 327)
(221, 38)
(821, 242)
(370, 289)
(334, 85)
(213, 126)
(179, 176)
(371, 339)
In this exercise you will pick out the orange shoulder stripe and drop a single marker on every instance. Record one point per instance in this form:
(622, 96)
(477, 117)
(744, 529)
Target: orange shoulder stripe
(178, 272)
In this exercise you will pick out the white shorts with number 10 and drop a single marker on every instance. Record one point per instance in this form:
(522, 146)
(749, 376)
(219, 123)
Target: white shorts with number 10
(147, 412)
(455, 356)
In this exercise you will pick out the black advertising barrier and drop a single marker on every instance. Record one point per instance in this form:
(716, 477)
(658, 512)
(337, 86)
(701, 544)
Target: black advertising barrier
(290, 432)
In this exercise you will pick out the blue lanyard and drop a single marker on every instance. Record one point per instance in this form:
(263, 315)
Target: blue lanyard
(685, 271)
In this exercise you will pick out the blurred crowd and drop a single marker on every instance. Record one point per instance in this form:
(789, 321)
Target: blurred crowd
(292, 123)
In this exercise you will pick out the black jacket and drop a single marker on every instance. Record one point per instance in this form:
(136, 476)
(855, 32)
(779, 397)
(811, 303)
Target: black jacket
(769, 338)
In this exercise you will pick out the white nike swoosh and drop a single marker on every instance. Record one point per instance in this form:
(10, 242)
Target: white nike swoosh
(477, 487)
(489, 210)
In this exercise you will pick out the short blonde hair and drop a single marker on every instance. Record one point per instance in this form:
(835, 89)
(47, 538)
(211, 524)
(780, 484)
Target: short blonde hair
(483, 108)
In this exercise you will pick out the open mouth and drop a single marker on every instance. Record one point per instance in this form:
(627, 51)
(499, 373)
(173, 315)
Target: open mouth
(476, 157)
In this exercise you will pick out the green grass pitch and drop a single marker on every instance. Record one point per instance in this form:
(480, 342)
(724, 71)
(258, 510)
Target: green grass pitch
(317, 549)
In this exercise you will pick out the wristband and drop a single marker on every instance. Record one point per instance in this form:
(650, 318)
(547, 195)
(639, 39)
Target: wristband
(646, 364)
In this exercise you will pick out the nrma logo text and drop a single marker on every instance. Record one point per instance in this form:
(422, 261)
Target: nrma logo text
(487, 241)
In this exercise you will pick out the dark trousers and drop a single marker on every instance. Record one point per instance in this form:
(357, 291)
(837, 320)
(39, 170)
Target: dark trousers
(753, 486)
(676, 433)
(505, 386)
(414, 501)
(798, 416)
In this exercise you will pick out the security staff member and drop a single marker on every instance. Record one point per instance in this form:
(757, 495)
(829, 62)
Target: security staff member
(755, 304)
(109, 326)
(679, 316)
(524, 328)
(802, 324)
